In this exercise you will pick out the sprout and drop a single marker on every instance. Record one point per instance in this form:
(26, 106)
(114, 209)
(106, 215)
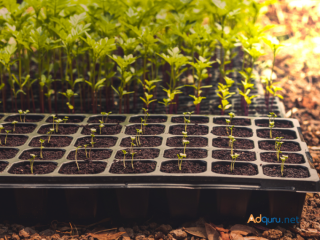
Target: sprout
(53, 119)
(51, 130)
(139, 131)
(85, 149)
(180, 159)
(278, 145)
(25, 114)
(283, 159)
(65, 119)
(33, 157)
(20, 113)
(185, 143)
(132, 138)
(92, 146)
(76, 155)
(132, 154)
(14, 125)
(103, 114)
(271, 125)
(101, 126)
(185, 135)
(57, 124)
(124, 157)
(41, 142)
(231, 114)
(231, 129)
(234, 158)
(231, 141)
(5, 140)
(92, 133)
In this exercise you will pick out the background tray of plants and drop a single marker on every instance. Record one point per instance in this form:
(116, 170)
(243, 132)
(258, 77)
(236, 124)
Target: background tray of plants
(155, 160)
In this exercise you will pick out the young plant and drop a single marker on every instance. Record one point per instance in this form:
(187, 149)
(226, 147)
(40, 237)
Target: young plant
(185, 143)
(5, 140)
(228, 121)
(14, 125)
(234, 158)
(76, 157)
(92, 146)
(69, 94)
(41, 147)
(283, 159)
(139, 131)
(186, 121)
(51, 130)
(185, 135)
(53, 119)
(271, 125)
(103, 114)
(180, 159)
(20, 113)
(231, 141)
(57, 124)
(33, 157)
(124, 158)
(85, 149)
(65, 119)
(144, 121)
(224, 94)
(148, 99)
(132, 154)
(93, 130)
(25, 115)
(101, 126)
(231, 129)
(278, 145)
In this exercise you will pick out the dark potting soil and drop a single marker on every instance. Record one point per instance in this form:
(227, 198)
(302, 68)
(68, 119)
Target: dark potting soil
(286, 146)
(149, 153)
(238, 144)
(277, 124)
(144, 142)
(288, 172)
(106, 130)
(191, 129)
(236, 132)
(234, 121)
(55, 141)
(63, 129)
(3, 165)
(38, 168)
(71, 119)
(186, 167)
(191, 153)
(47, 154)
(148, 130)
(100, 142)
(239, 169)
(29, 118)
(226, 155)
(20, 128)
(138, 167)
(193, 119)
(13, 140)
(151, 119)
(265, 133)
(86, 167)
(111, 119)
(8, 153)
(91, 155)
(272, 157)
(193, 142)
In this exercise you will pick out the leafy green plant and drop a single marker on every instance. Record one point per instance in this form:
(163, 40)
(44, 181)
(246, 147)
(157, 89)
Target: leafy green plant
(5, 140)
(234, 158)
(69, 94)
(33, 157)
(14, 125)
(76, 157)
(224, 94)
(41, 147)
(283, 159)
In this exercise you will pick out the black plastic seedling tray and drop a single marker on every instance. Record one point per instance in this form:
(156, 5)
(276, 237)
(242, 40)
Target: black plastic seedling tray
(155, 179)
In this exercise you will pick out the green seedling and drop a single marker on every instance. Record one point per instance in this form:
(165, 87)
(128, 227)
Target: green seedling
(50, 133)
(14, 125)
(185, 135)
(92, 146)
(132, 154)
(65, 119)
(271, 125)
(231, 141)
(271, 116)
(57, 124)
(41, 147)
(101, 126)
(1, 128)
(283, 159)
(105, 114)
(85, 149)
(231, 129)
(145, 120)
(124, 158)
(139, 131)
(106, 121)
(5, 140)
(53, 119)
(234, 158)
(76, 157)
(278, 145)
(185, 143)
(93, 130)
(20, 113)
(132, 143)
(33, 157)
(180, 159)
(25, 115)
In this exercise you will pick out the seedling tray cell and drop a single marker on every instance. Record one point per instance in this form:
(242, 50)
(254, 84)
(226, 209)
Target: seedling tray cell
(111, 145)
